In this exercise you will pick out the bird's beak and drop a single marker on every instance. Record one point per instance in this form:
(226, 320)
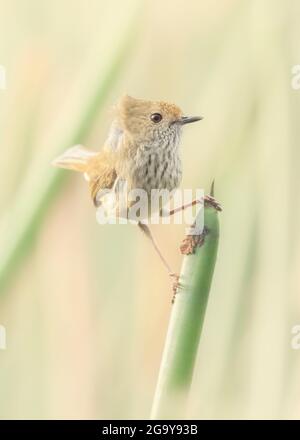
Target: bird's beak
(188, 119)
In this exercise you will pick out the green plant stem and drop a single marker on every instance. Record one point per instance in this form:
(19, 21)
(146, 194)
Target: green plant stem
(186, 322)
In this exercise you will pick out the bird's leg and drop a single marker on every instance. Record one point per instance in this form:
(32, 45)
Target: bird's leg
(165, 213)
(207, 200)
(145, 228)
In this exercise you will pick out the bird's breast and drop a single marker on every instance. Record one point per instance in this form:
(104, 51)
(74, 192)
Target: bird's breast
(156, 170)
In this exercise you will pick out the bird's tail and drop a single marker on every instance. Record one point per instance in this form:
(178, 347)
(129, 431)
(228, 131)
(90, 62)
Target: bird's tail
(76, 158)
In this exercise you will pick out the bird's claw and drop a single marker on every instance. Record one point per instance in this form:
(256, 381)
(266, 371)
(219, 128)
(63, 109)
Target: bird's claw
(211, 201)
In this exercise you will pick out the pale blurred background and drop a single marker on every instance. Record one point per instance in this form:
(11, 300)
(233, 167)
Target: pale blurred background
(85, 306)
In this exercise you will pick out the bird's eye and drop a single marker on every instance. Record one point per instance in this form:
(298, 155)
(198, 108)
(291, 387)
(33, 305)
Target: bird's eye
(156, 117)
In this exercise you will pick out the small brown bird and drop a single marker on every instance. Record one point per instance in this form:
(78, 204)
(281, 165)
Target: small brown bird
(141, 150)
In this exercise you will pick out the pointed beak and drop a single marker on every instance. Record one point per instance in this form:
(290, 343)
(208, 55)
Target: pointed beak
(188, 119)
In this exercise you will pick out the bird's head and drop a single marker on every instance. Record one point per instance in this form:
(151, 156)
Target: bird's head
(154, 122)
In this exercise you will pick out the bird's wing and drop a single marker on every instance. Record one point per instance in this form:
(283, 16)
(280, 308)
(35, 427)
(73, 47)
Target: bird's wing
(102, 173)
(107, 181)
(115, 136)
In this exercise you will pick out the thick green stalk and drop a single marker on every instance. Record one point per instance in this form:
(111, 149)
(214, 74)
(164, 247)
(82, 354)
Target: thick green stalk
(186, 322)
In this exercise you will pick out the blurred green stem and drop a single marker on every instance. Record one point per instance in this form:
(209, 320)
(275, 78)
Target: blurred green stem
(186, 322)
(29, 210)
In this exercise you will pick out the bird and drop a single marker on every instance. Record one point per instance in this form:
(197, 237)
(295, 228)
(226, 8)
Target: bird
(142, 150)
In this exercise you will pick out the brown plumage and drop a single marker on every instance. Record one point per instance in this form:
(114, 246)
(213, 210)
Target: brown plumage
(141, 150)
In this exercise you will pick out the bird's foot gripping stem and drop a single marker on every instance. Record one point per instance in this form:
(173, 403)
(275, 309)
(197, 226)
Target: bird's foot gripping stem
(211, 201)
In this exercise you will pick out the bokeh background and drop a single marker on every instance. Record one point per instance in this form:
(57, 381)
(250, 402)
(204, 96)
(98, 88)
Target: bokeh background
(85, 306)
